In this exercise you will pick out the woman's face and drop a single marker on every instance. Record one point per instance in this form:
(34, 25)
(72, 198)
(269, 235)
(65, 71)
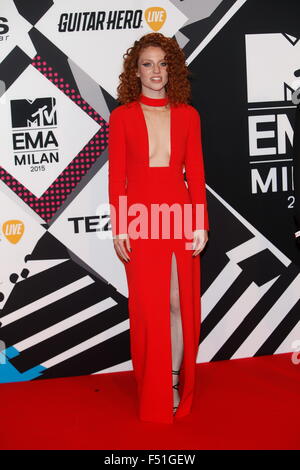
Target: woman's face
(152, 69)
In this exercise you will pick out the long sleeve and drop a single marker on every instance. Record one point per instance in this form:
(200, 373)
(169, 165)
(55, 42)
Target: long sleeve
(296, 173)
(117, 173)
(194, 169)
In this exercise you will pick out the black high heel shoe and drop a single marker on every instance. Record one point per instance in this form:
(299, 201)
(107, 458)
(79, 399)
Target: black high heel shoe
(175, 386)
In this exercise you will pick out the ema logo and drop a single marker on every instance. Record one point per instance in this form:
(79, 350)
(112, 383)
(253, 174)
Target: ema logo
(41, 134)
(34, 124)
(270, 87)
(13, 230)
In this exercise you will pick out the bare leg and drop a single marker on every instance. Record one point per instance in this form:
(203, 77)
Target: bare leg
(176, 327)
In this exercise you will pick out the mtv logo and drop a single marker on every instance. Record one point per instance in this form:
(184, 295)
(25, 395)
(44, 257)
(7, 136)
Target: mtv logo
(40, 112)
(271, 60)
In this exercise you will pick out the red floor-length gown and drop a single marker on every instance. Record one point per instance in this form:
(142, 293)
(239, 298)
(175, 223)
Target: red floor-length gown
(149, 269)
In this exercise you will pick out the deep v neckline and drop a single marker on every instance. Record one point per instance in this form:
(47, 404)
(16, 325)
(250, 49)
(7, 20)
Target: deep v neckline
(147, 138)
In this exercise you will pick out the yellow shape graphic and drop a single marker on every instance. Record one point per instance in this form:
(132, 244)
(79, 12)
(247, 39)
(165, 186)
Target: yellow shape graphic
(13, 230)
(155, 17)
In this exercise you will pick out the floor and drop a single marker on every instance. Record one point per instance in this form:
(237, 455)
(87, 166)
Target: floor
(250, 403)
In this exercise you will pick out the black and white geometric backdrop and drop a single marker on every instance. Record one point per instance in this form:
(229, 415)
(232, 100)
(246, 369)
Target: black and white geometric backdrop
(63, 292)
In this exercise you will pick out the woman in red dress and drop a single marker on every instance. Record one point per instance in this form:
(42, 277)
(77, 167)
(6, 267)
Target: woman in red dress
(153, 136)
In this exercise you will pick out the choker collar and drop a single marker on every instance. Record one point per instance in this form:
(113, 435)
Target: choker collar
(153, 101)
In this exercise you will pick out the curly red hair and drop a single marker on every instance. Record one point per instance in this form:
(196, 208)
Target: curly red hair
(178, 87)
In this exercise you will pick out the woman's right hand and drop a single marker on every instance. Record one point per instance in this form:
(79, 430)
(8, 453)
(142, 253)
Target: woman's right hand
(122, 246)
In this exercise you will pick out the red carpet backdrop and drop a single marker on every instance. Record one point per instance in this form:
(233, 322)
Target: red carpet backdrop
(63, 291)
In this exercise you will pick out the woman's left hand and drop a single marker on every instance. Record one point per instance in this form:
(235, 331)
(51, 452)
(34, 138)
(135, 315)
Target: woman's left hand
(200, 240)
